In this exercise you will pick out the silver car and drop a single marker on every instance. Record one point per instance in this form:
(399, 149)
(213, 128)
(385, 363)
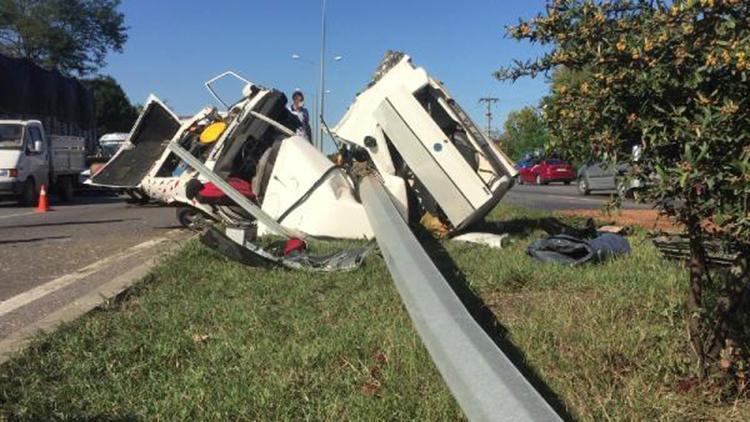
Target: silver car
(601, 177)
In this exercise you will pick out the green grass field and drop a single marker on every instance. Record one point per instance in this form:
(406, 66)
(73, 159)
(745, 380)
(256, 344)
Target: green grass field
(205, 338)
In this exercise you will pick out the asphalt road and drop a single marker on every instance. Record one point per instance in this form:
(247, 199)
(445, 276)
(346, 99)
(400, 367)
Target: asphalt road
(555, 197)
(89, 241)
(39, 247)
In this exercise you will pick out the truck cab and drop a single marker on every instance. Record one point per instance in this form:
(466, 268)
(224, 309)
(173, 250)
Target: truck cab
(24, 159)
(29, 159)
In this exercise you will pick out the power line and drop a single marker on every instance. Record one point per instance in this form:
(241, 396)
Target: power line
(489, 101)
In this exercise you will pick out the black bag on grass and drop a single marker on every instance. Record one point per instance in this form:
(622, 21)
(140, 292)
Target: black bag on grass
(569, 250)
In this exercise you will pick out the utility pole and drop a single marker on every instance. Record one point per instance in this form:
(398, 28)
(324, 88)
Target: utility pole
(489, 101)
(322, 87)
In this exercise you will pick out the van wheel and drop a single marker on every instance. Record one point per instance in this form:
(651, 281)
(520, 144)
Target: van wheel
(28, 196)
(65, 188)
(193, 219)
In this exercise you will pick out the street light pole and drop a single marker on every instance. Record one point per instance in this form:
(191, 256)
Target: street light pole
(322, 87)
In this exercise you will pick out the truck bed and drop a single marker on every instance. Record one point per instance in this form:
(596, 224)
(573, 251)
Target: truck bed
(67, 154)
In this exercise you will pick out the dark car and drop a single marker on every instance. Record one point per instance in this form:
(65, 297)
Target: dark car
(548, 171)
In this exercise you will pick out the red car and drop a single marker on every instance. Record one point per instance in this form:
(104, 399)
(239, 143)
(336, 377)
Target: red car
(546, 171)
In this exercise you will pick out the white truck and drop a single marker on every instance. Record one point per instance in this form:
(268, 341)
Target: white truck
(30, 159)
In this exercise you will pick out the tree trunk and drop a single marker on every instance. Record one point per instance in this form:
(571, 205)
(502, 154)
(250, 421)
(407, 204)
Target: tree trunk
(733, 298)
(695, 309)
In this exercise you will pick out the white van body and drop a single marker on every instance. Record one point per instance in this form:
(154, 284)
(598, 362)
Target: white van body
(30, 159)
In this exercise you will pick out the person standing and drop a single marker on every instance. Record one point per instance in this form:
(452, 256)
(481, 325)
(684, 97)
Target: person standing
(298, 109)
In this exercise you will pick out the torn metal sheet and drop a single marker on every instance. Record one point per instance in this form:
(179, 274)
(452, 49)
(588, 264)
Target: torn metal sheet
(236, 244)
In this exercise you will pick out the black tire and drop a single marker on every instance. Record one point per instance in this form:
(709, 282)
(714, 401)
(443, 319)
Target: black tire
(193, 219)
(567, 182)
(583, 186)
(65, 188)
(623, 191)
(28, 196)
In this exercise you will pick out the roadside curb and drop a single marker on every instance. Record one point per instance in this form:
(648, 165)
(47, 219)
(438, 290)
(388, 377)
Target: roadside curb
(20, 339)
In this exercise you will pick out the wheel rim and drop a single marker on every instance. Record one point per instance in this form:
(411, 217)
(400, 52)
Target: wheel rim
(538, 180)
(582, 185)
(193, 220)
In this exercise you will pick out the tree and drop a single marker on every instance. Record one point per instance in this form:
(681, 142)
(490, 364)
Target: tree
(673, 78)
(72, 36)
(524, 131)
(114, 113)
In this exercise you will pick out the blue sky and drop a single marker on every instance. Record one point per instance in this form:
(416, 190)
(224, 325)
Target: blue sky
(174, 46)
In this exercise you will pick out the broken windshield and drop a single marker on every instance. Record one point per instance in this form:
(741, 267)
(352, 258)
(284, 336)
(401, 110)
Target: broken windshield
(11, 136)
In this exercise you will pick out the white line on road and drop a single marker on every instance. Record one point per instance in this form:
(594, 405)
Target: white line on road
(38, 292)
(17, 215)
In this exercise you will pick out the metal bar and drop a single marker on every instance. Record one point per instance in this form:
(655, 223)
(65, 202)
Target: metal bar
(285, 130)
(232, 193)
(483, 380)
(216, 78)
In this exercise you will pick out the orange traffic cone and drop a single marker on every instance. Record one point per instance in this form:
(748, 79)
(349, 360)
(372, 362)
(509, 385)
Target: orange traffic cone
(43, 203)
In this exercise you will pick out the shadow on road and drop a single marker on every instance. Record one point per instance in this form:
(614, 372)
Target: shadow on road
(32, 240)
(70, 223)
(486, 318)
(78, 200)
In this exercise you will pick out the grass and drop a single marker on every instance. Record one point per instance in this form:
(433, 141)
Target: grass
(205, 338)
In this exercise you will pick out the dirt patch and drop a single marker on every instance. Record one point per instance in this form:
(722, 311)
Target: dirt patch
(648, 219)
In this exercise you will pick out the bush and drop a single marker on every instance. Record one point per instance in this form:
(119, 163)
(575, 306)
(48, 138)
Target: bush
(671, 77)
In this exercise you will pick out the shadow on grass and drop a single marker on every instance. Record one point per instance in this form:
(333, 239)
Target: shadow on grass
(525, 226)
(482, 313)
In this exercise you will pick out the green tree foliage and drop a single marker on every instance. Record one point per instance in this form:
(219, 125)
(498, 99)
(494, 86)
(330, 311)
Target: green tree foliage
(524, 131)
(72, 36)
(114, 113)
(673, 78)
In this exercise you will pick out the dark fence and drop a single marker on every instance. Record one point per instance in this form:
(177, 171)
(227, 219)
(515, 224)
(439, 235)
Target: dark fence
(64, 105)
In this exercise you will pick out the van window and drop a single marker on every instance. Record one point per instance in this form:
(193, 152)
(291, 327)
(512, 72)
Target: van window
(36, 135)
(11, 135)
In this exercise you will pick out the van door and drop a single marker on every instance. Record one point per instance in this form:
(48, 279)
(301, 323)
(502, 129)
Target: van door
(151, 134)
(37, 159)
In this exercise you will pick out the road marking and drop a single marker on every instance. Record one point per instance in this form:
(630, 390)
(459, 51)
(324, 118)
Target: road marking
(17, 215)
(38, 292)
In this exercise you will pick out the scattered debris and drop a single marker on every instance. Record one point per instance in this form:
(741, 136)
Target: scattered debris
(493, 240)
(613, 229)
(678, 248)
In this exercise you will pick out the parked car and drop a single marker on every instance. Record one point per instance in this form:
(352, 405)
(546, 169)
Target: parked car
(595, 176)
(548, 171)
(524, 165)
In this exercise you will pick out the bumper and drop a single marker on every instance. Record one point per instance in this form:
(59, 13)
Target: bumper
(559, 177)
(10, 187)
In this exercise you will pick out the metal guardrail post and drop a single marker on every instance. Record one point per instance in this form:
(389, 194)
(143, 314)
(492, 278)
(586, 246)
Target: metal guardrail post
(483, 380)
